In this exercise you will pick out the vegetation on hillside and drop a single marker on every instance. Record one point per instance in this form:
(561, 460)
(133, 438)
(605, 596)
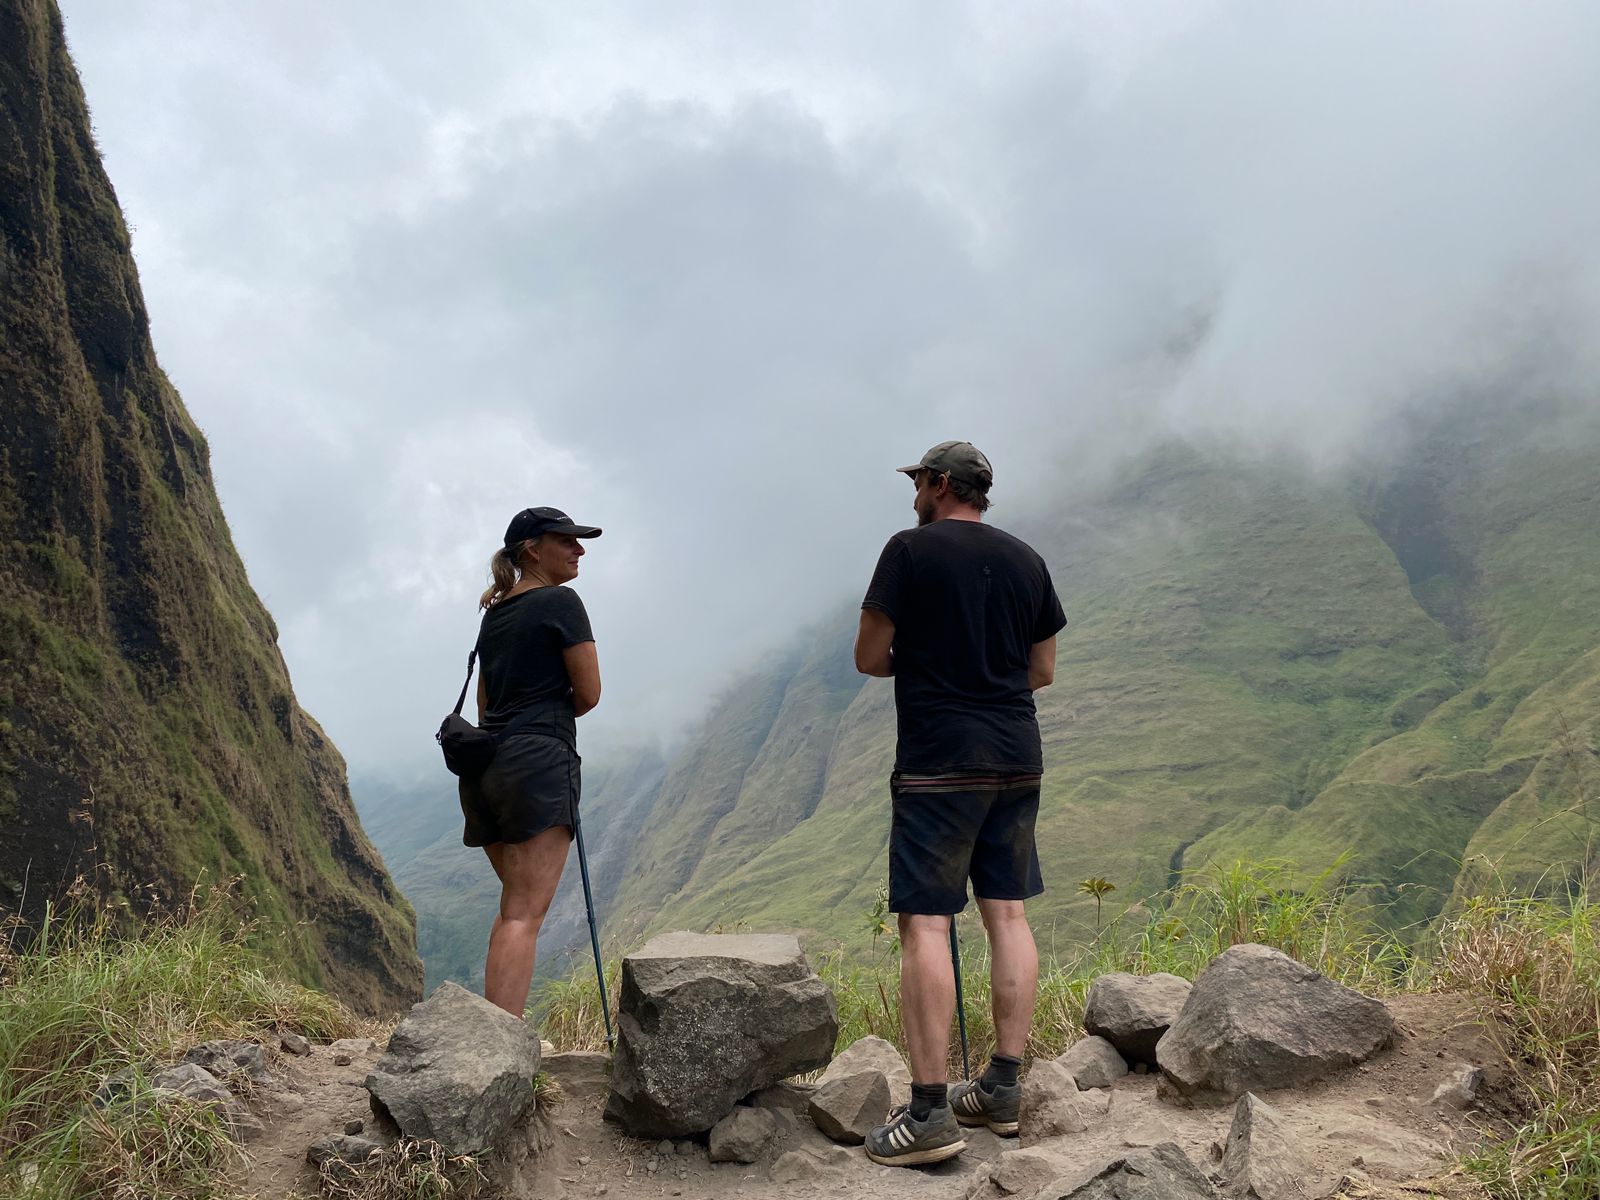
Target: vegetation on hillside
(84, 1001)
(1401, 657)
(148, 729)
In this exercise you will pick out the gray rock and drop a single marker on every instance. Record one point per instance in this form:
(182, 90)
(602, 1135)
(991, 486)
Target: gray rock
(785, 1095)
(343, 1060)
(584, 1075)
(1258, 1020)
(222, 1058)
(200, 1086)
(1163, 1172)
(354, 1126)
(1262, 1160)
(800, 1166)
(1049, 1103)
(1460, 1090)
(873, 1054)
(1094, 1062)
(342, 1147)
(846, 1108)
(1024, 1172)
(193, 1081)
(709, 1018)
(458, 1071)
(354, 1047)
(293, 1043)
(743, 1135)
(1133, 1011)
(116, 1089)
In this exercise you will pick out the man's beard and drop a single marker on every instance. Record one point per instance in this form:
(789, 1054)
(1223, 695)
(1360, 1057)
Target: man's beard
(924, 514)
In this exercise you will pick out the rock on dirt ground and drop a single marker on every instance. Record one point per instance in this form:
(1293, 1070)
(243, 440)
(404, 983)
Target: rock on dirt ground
(1380, 1112)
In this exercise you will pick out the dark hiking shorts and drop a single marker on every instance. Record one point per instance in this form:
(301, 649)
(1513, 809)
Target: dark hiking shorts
(948, 830)
(532, 785)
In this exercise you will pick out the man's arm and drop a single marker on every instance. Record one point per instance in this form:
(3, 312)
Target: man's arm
(1041, 664)
(874, 644)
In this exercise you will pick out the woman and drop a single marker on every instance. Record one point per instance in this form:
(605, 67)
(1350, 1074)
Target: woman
(538, 666)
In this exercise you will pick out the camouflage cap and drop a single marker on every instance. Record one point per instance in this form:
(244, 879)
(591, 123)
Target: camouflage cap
(959, 460)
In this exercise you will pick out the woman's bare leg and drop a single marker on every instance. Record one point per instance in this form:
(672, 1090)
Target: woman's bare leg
(529, 872)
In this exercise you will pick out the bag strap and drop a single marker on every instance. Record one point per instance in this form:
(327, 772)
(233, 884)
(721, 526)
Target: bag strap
(472, 659)
(516, 722)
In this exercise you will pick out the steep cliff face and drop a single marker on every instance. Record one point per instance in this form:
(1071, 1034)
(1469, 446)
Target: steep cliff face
(149, 735)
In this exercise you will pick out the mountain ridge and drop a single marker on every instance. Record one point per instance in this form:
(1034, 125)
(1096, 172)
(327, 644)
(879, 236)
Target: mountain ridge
(149, 735)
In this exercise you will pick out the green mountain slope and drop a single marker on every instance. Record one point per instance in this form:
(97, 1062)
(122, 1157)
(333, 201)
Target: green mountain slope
(1399, 661)
(1261, 663)
(148, 730)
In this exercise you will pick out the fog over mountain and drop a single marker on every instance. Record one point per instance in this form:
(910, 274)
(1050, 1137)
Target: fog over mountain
(704, 274)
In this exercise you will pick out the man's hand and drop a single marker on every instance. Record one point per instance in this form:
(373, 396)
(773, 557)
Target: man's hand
(1042, 664)
(874, 644)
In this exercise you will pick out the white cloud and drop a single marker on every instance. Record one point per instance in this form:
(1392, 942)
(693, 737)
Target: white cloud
(705, 273)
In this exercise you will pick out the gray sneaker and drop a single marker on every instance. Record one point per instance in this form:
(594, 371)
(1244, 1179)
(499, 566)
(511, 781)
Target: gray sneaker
(973, 1105)
(908, 1142)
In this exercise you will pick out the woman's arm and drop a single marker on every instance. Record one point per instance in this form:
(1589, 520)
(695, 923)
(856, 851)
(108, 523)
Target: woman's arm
(583, 669)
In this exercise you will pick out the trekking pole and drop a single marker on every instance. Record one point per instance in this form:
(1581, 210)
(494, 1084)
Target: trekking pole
(594, 936)
(961, 1004)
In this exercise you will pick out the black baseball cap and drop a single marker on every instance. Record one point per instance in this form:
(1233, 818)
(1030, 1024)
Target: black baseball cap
(959, 460)
(535, 522)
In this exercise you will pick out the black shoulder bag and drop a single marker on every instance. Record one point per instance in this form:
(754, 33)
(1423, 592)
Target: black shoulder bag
(468, 750)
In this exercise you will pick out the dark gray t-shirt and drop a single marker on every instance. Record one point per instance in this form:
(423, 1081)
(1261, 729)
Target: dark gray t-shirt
(968, 602)
(520, 646)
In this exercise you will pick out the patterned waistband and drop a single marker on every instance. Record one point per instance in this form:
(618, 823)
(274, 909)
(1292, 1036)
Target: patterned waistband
(925, 784)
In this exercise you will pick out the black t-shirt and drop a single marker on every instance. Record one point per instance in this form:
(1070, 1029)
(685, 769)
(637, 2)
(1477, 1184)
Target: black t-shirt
(968, 602)
(519, 650)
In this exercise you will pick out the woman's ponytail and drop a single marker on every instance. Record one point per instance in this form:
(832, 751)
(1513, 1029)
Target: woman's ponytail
(503, 566)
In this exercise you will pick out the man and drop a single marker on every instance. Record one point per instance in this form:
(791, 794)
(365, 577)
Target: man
(964, 617)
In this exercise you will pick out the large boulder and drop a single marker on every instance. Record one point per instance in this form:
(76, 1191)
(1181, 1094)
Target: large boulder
(1162, 1172)
(1133, 1011)
(708, 1018)
(873, 1054)
(458, 1071)
(1257, 1020)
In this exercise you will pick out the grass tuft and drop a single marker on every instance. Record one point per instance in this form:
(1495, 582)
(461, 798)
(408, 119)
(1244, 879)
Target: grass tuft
(82, 1000)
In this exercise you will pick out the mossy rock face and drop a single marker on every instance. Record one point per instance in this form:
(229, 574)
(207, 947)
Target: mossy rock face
(148, 731)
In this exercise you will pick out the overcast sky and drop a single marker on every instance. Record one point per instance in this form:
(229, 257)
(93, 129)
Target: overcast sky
(704, 273)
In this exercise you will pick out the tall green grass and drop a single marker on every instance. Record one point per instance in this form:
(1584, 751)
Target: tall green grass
(82, 999)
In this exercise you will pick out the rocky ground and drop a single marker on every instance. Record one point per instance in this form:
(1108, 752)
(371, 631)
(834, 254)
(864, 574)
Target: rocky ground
(1365, 1132)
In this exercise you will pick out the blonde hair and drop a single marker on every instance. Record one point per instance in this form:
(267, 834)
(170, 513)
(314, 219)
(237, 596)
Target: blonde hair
(505, 568)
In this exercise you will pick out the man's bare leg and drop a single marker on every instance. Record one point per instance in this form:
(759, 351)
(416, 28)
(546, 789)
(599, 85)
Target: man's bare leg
(1013, 973)
(927, 994)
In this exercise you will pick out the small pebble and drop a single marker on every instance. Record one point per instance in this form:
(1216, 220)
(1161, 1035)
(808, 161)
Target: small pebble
(652, 1166)
(584, 1160)
(663, 1147)
(686, 1148)
(354, 1126)
(341, 1060)
(293, 1043)
(600, 1189)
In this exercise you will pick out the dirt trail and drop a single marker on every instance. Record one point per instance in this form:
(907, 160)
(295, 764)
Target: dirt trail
(1376, 1121)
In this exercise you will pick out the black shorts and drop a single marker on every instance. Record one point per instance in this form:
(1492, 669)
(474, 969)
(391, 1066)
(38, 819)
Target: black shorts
(532, 785)
(946, 831)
